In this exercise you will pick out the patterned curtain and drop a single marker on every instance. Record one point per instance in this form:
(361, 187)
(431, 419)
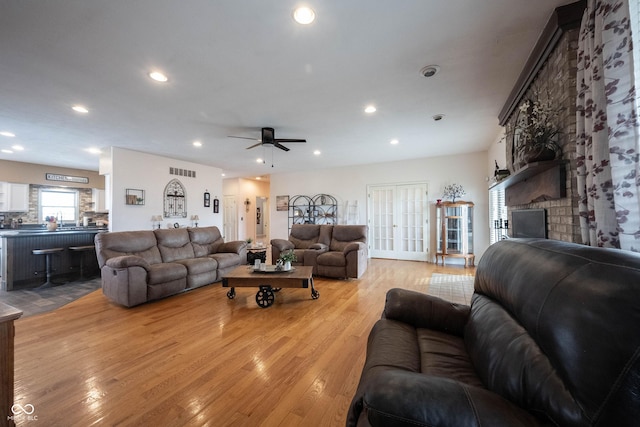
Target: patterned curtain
(607, 131)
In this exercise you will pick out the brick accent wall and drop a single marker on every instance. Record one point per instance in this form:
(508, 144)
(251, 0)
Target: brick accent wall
(558, 78)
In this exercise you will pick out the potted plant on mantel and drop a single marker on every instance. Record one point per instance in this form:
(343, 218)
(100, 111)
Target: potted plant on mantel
(535, 132)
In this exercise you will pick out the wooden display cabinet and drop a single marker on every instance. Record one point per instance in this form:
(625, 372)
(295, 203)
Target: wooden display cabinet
(455, 231)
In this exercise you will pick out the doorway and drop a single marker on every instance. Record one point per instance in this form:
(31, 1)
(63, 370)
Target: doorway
(262, 211)
(229, 216)
(398, 221)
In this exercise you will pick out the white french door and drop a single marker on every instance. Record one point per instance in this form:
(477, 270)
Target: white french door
(398, 221)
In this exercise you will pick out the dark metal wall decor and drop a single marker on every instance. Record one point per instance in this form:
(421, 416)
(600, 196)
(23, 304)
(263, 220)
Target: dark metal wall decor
(216, 205)
(207, 199)
(175, 200)
(319, 209)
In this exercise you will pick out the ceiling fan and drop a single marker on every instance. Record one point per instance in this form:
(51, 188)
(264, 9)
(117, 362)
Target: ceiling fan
(268, 138)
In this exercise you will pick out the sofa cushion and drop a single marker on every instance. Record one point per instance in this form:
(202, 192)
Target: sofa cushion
(141, 243)
(333, 259)
(226, 260)
(342, 235)
(550, 330)
(444, 355)
(199, 265)
(304, 235)
(205, 240)
(174, 244)
(165, 272)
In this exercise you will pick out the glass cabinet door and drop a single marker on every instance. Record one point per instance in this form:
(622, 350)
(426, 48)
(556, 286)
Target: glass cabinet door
(454, 230)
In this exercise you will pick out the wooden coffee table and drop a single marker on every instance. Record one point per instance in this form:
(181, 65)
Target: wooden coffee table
(268, 282)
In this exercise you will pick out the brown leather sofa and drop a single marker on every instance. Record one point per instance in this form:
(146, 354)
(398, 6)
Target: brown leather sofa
(337, 251)
(141, 266)
(550, 339)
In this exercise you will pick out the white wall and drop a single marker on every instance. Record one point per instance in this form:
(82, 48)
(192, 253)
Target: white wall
(136, 170)
(350, 183)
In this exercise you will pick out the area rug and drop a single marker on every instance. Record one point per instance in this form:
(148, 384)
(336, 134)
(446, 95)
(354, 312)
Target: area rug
(451, 287)
(37, 301)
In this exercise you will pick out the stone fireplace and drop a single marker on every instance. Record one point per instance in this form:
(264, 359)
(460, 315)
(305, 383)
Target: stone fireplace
(551, 69)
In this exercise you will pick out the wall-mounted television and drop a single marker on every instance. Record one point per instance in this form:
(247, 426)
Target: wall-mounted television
(529, 223)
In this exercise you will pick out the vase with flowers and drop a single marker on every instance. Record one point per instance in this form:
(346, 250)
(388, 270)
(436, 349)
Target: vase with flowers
(535, 132)
(453, 191)
(51, 223)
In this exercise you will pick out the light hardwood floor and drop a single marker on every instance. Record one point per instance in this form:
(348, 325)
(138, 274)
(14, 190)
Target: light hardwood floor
(200, 359)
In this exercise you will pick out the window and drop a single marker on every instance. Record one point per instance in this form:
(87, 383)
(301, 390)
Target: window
(497, 216)
(62, 204)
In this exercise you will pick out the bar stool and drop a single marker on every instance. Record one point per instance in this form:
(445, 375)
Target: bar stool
(47, 253)
(82, 250)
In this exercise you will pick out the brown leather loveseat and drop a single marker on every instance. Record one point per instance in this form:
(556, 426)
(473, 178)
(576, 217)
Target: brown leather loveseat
(551, 338)
(338, 251)
(140, 266)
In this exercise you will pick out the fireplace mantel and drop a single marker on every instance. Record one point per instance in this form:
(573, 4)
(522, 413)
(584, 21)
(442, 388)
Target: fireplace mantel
(535, 182)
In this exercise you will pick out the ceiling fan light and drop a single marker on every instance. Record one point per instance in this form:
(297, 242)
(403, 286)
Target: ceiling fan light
(304, 15)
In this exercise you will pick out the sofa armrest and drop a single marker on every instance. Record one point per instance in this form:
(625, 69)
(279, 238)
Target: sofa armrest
(354, 246)
(234, 247)
(126, 261)
(402, 398)
(282, 244)
(319, 247)
(426, 311)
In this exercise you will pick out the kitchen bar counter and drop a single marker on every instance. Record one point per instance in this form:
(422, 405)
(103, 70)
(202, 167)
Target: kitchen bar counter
(19, 268)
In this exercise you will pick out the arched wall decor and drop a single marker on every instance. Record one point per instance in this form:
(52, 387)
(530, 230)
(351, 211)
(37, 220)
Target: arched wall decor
(175, 200)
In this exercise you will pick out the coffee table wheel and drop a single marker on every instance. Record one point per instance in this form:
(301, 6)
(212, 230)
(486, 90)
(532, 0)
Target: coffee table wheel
(232, 293)
(315, 294)
(265, 297)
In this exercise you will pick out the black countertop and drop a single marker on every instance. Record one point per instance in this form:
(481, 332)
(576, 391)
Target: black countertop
(16, 233)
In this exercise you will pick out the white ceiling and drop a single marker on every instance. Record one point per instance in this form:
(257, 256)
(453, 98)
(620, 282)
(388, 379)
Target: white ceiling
(236, 66)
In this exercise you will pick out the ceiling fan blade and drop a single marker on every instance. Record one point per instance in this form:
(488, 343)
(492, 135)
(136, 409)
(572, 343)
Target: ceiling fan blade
(243, 137)
(289, 140)
(280, 146)
(254, 145)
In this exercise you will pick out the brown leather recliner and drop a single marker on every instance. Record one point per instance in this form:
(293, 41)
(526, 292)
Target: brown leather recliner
(348, 254)
(550, 339)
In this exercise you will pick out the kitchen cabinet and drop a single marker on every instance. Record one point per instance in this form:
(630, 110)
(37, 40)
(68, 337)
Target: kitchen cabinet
(455, 231)
(14, 197)
(98, 200)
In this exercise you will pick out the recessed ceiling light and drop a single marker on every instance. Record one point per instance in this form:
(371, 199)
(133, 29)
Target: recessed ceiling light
(317, 152)
(80, 109)
(223, 174)
(197, 144)
(17, 147)
(304, 15)
(7, 151)
(369, 109)
(394, 142)
(93, 150)
(429, 70)
(7, 134)
(158, 76)
(258, 178)
(258, 160)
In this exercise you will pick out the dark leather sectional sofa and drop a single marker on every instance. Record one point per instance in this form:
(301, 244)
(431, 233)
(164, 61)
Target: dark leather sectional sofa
(552, 337)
